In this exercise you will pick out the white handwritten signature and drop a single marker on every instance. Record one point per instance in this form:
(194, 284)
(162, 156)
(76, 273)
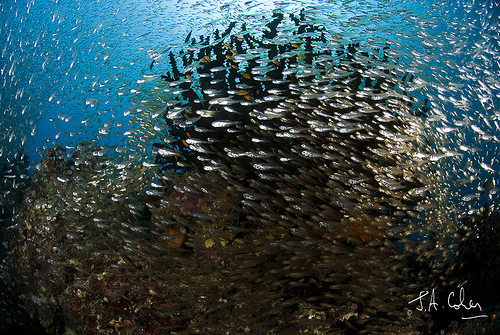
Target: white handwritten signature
(452, 303)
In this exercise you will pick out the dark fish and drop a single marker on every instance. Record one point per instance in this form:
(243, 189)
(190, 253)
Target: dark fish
(152, 63)
(188, 37)
(490, 183)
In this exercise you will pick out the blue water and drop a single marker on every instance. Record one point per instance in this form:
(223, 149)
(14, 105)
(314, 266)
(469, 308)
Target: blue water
(83, 58)
(70, 70)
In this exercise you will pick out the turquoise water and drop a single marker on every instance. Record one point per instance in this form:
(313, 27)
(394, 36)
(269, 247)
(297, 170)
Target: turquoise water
(99, 71)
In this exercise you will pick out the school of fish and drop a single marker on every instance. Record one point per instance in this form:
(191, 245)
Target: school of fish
(308, 168)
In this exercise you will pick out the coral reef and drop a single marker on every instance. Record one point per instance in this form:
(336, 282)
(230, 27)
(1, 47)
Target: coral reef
(14, 181)
(291, 198)
(58, 248)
